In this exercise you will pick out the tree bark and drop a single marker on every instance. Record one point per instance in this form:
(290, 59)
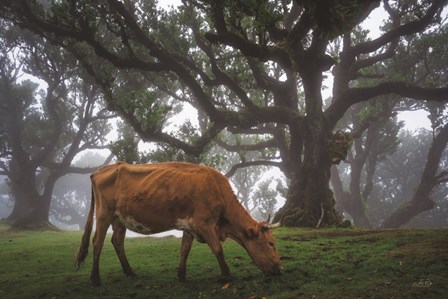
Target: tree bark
(309, 194)
(31, 210)
(37, 217)
(310, 201)
(421, 200)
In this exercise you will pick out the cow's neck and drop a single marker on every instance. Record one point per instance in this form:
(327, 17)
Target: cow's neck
(237, 220)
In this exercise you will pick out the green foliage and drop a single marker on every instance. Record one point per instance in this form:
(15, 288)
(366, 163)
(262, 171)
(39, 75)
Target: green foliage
(359, 34)
(370, 111)
(216, 160)
(336, 17)
(164, 153)
(16, 101)
(125, 148)
(254, 17)
(422, 59)
(317, 263)
(145, 107)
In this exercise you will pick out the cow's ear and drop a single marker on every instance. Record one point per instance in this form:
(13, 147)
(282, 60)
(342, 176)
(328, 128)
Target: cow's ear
(253, 232)
(264, 227)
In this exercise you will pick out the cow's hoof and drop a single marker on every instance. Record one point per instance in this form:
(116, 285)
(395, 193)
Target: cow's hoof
(226, 278)
(95, 282)
(130, 274)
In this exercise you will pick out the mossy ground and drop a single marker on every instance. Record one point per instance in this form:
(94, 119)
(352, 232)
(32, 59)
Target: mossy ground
(325, 263)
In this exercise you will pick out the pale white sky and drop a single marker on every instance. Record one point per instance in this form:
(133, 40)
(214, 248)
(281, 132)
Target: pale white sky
(415, 120)
(374, 21)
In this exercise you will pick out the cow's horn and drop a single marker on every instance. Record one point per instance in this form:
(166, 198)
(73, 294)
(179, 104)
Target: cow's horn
(274, 225)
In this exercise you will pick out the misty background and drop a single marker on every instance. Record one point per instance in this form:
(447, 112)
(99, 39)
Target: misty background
(391, 136)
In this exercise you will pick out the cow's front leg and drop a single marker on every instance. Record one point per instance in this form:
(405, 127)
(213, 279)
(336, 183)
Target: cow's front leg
(210, 236)
(187, 241)
(118, 235)
(226, 276)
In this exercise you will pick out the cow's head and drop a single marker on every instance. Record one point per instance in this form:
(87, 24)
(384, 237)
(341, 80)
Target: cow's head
(260, 245)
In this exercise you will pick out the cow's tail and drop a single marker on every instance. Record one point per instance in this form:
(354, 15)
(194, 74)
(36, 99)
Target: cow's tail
(84, 247)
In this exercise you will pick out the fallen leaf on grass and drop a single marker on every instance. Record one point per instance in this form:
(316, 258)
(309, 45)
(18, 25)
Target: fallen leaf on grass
(226, 286)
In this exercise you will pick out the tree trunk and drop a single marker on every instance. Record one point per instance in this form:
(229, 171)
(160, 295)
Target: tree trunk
(310, 201)
(421, 201)
(31, 210)
(353, 206)
(21, 208)
(37, 217)
(22, 182)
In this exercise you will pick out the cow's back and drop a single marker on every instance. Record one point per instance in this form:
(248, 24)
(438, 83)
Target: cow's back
(151, 198)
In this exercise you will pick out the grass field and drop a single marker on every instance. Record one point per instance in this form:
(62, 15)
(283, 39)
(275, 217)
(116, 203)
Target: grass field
(326, 263)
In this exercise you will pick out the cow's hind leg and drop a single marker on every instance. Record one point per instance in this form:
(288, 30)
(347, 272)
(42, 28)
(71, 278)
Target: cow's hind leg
(187, 241)
(102, 224)
(118, 235)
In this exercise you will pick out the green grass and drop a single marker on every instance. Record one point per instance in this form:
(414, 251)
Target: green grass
(330, 263)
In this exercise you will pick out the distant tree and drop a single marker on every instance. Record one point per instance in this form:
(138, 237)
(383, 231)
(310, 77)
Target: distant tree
(72, 193)
(374, 133)
(243, 163)
(42, 131)
(431, 177)
(71, 200)
(248, 66)
(5, 199)
(431, 54)
(397, 177)
(265, 200)
(375, 136)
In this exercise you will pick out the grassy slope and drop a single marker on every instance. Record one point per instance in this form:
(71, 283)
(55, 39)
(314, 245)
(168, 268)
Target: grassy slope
(331, 263)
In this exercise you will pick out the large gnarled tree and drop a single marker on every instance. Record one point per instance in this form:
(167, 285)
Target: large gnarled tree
(41, 132)
(248, 66)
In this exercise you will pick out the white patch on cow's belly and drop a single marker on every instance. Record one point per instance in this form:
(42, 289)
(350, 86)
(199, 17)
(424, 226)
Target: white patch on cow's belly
(185, 225)
(134, 225)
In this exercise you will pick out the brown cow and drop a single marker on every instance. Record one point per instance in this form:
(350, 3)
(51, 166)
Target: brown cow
(153, 198)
